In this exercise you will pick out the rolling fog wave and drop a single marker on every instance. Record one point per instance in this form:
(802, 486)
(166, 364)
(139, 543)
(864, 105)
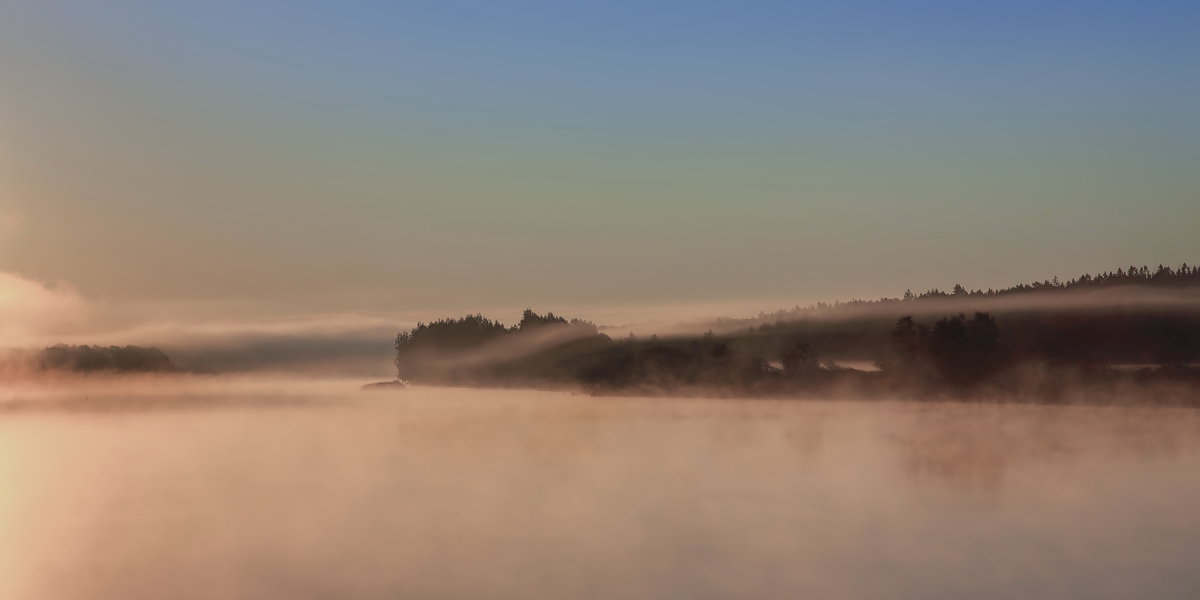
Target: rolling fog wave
(455, 493)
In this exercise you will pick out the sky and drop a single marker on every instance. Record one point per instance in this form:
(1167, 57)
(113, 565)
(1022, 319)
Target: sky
(617, 160)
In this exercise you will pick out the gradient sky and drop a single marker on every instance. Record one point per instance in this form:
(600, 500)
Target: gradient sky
(243, 158)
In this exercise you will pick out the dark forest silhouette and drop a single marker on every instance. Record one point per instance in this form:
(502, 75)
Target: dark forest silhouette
(119, 359)
(1162, 277)
(958, 352)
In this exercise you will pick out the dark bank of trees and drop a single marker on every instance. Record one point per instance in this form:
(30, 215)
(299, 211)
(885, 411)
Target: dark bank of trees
(549, 350)
(920, 354)
(90, 359)
(539, 349)
(953, 356)
(1162, 276)
(1123, 279)
(956, 351)
(1134, 316)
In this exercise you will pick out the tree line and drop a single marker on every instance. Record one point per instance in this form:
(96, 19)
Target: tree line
(920, 355)
(1162, 277)
(88, 359)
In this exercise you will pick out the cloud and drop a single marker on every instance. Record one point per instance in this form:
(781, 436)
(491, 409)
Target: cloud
(31, 311)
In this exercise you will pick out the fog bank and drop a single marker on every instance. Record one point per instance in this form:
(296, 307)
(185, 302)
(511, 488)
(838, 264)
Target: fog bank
(314, 490)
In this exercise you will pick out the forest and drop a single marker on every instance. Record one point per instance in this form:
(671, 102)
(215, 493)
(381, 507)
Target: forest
(89, 359)
(934, 344)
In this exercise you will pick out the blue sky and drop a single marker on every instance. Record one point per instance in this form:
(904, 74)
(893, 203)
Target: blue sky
(317, 156)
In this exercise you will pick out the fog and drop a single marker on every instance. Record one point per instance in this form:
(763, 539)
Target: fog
(217, 487)
(1132, 298)
(360, 345)
(35, 314)
(30, 309)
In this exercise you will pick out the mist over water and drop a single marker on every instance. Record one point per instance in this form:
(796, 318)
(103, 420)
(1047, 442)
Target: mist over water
(314, 489)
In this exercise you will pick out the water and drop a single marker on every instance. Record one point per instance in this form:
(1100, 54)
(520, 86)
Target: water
(318, 490)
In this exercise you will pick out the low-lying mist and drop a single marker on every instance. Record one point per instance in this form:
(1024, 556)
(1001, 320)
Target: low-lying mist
(317, 346)
(51, 391)
(311, 488)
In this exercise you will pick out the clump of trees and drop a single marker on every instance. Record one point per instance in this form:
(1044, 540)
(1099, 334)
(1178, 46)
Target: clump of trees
(966, 352)
(476, 349)
(552, 350)
(120, 359)
(1152, 317)
(956, 350)
(956, 355)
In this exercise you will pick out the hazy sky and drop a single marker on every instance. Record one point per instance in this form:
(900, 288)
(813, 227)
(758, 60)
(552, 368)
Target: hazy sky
(245, 158)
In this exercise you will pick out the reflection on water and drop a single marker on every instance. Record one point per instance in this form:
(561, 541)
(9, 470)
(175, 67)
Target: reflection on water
(319, 491)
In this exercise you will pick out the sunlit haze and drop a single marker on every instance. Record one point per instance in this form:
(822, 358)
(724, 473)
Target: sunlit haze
(619, 160)
(662, 300)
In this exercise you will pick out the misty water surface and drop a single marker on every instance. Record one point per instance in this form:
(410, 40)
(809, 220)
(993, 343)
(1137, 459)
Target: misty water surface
(319, 490)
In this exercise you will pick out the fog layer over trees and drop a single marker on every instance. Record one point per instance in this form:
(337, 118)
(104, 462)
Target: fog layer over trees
(120, 359)
(1048, 341)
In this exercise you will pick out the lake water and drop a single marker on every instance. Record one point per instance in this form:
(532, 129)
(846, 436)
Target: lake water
(240, 489)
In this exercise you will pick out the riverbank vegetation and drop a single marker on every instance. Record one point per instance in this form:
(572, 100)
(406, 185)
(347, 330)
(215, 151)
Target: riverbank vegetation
(1038, 350)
